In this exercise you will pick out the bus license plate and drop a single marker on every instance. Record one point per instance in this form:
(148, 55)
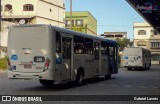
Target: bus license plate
(27, 66)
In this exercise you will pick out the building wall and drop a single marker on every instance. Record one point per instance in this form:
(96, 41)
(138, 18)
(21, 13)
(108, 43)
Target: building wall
(89, 22)
(146, 40)
(92, 24)
(4, 33)
(17, 7)
(50, 12)
(120, 35)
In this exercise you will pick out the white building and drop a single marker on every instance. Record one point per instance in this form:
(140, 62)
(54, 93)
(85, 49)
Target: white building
(30, 12)
(145, 36)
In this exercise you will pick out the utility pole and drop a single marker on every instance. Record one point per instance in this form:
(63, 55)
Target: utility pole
(71, 14)
(0, 15)
(0, 22)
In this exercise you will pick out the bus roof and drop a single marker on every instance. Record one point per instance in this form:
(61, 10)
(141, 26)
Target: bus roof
(68, 31)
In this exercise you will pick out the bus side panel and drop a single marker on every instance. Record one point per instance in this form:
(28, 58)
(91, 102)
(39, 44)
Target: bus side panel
(89, 71)
(104, 65)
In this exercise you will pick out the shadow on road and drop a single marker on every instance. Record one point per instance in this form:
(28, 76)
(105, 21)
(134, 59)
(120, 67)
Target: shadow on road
(65, 86)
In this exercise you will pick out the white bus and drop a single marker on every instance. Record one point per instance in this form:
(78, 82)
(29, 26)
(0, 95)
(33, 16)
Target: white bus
(52, 54)
(136, 57)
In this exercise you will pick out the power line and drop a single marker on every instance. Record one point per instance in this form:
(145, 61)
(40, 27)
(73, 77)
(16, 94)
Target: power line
(116, 25)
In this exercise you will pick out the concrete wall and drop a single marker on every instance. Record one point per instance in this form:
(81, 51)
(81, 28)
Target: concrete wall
(88, 20)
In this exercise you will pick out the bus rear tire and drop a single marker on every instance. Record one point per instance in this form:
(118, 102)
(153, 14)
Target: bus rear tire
(79, 78)
(48, 83)
(129, 68)
(109, 75)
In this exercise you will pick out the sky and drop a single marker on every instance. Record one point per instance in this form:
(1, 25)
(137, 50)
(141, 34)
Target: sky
(111, 15)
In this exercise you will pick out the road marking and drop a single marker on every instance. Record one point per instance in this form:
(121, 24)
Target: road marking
(101, 84)
(89, 84)
(155, 87)
(127, 86)
(115, 85)
(142, 86)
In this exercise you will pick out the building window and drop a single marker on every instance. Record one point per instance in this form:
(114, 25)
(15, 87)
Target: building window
(154, 32)
(109, 36)
(79, 22)
(155, 44)
(28, 7)
(142, 32)
(8, 7)
(119, 36)
(155, 57)
(68, 23)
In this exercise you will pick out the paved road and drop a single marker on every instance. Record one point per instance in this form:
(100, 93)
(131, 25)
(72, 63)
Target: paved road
(124, 83)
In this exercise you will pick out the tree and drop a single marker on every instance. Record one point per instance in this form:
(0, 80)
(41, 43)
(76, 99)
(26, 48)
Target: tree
(123, 43)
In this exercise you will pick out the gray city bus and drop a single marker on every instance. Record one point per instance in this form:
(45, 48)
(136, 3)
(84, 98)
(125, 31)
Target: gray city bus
(52, 54)
(136, 57)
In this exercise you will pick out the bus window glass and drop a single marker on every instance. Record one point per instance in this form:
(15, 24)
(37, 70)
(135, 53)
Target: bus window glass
(96, 51)
(111, 51)
(88, 46)
(78, 45)
(58, 42)
(104, 48)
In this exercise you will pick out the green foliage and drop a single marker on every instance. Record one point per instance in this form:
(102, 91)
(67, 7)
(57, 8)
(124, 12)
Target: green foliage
(123, 43)
(3, 63)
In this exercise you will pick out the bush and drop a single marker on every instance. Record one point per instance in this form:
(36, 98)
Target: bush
(3, 63)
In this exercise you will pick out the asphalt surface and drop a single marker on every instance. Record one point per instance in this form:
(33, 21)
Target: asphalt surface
(126, 82)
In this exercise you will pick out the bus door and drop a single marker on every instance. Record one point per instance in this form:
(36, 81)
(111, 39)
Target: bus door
(104, 58)
(66, 57)
(115, 59)
(96, 58)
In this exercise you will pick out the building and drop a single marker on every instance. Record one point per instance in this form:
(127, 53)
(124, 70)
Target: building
(145, 36)
(81, 22)
(15, 12)
(114, 35)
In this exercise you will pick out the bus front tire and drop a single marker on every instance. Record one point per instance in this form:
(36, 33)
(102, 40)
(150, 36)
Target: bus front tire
(129, 68)
(48, 83)
(79, 78)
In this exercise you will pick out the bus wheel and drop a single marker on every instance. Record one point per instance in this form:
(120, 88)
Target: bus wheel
(79, 78)
(108, 76)
(48, 83)
(129, 68)
(145, 67)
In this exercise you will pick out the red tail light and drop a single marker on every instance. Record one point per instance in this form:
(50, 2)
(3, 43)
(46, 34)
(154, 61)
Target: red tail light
(46, 64)
(9, 64)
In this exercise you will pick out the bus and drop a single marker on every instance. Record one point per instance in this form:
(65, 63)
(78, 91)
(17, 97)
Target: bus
(53, 54)
(137, 58)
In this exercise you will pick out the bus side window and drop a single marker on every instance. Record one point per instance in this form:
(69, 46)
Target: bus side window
(88, 46)
(78, 45)
(58, 42)
(96, 51)
(111, 51)
(103, 48)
